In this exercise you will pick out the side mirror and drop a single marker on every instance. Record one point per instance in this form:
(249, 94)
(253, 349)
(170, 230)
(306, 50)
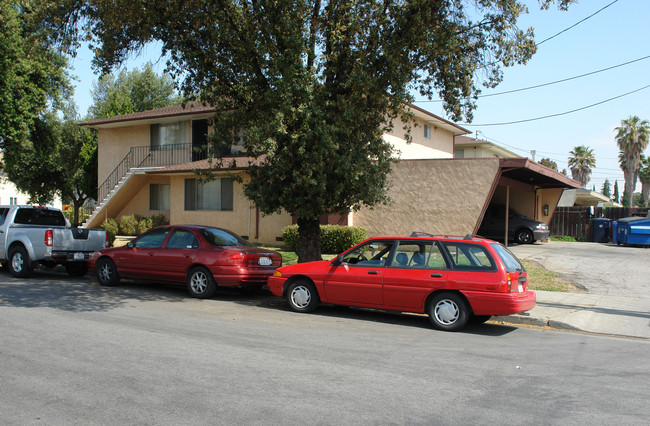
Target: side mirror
(130, 244)
(338, 261)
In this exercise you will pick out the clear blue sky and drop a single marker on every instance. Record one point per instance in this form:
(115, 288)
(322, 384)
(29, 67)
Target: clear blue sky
(618, 34)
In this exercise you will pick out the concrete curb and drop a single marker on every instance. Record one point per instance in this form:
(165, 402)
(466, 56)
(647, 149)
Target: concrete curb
(535, 321)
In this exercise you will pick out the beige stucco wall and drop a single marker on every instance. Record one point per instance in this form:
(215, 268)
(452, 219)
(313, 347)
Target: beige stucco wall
(114, 144)
(440, 145)
(444, 196)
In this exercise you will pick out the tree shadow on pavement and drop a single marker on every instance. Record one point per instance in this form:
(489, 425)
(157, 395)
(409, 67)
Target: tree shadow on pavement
(56, 290)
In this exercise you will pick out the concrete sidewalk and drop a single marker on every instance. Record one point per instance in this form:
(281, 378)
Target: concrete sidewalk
(617, 315)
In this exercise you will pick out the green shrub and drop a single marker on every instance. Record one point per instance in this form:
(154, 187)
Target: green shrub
(111, 228)
(144, 225)
(159, 220)
(334, 239)
(128, 225)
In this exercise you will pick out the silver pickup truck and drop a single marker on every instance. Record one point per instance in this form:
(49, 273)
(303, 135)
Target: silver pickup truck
(32, 235)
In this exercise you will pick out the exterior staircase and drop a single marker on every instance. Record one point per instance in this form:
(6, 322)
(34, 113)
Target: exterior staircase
(139, 160)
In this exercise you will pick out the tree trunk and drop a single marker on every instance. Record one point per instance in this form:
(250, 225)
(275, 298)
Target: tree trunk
(645, 190)
(629, 186)
(308, 240)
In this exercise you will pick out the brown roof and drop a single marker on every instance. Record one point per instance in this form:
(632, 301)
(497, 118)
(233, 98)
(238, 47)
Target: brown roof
(171, 111)
(240, 163)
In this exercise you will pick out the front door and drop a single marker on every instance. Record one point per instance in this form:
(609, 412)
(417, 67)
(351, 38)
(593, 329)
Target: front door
(175, 259)
(358, 280)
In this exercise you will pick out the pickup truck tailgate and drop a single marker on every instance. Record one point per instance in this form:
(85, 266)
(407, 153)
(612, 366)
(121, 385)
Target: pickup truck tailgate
(78, 239)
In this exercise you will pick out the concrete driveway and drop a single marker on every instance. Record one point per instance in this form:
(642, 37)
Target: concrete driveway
(605, 269)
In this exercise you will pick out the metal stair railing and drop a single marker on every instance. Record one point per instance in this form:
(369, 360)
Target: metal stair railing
(144, 156)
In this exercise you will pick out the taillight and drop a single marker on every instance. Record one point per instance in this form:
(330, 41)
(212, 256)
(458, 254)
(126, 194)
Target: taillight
(510, 283)
(107, 242)
(238, 258)
(48, 238)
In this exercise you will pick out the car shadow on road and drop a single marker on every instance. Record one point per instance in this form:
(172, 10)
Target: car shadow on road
(380, 316)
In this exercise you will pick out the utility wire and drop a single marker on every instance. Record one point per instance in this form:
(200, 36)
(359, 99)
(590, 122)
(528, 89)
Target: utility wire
(558, 114)
(553, 82)
(577, 23)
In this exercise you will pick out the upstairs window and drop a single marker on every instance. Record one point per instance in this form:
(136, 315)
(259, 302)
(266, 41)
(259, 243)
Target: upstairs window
(427, 131)
(165, 136)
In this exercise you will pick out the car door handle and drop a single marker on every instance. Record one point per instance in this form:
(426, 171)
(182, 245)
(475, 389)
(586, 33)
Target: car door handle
(373, 272)
(436, 275)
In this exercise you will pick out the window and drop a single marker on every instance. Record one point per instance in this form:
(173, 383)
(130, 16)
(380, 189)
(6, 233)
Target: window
(213, 195)
(159, 196)
(373, 253)
(469, 256)
(3, 215)
(164, 136)
(221, 237)
(418, 255)
(182, 239)
(39, 216)
(13, 201)
(459, 153)
(152, 239)
(427, 131)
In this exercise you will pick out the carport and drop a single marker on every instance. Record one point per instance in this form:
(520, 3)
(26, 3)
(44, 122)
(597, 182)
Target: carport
(528, 188)
(450, 196)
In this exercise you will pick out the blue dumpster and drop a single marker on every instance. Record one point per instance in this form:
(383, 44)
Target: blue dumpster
(633, 231)
(601, 229)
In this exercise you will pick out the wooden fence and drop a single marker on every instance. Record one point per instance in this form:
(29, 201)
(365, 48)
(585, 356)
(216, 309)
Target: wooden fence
(576, 221)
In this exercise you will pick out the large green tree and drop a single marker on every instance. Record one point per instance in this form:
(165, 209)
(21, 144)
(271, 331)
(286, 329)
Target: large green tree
(606, 189)
(311, 86)
(581, 161)
(632, 139)
(644, 177)
(548, 163)
(33, 81)
(132, 91)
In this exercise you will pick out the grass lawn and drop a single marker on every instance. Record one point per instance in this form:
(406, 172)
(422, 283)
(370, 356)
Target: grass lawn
(542, 279)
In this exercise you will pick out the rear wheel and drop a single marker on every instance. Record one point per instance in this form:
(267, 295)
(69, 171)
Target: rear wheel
(448, 312)
(302, 296)
(524, 236)
(77, 269)
(107, 272)
(19, 264)
(200, 283)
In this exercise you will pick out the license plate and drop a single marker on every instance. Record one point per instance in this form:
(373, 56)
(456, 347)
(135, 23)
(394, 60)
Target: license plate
(265, 261)
(78, 256)
(521, 288)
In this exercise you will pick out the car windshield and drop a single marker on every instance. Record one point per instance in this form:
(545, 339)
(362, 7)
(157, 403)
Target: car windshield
(510, 261)
(221, 237)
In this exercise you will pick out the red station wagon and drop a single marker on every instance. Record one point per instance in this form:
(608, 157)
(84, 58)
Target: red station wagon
(452, 279)
(200, 257)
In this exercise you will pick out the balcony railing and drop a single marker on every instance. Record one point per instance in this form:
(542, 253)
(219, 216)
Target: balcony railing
(148, 156)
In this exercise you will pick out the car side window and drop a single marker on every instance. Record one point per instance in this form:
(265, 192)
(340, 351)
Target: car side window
(469, 256)
(182, 239)
(152, 239)
(373, 253)
(3, 215)
(424, 255)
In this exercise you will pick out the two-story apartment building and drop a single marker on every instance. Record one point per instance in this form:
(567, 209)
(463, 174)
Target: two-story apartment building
(148, 163)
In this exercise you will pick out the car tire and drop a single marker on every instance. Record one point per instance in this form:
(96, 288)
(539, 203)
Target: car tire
(19, 263)
(200, 283)
(448, 312)
(107, 272)
(302, 296)
(479, 319)
(76, 269)
(524, 236)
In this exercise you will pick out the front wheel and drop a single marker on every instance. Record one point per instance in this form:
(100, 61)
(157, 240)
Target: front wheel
(200, 283)
(107, 272)
(448, 312)
(524, 236)
(19, 264)
(302, 296)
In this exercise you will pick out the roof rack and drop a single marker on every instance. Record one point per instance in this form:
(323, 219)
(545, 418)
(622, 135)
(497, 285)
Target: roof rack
(417, 234)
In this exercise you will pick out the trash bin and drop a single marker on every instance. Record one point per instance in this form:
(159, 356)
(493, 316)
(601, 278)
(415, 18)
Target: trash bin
(601, 229)
(633, 231)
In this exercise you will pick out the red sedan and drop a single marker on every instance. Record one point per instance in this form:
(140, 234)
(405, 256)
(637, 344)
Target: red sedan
(200, 257)
(452, 279)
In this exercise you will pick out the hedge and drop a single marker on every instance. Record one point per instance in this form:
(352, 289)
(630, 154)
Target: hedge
(334, 239)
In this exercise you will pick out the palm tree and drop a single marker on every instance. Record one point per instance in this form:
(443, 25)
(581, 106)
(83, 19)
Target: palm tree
(581, 161)
(644, 177)
(632, 139)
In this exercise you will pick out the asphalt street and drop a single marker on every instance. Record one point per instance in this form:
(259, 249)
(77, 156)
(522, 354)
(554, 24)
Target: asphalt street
(73, 352)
